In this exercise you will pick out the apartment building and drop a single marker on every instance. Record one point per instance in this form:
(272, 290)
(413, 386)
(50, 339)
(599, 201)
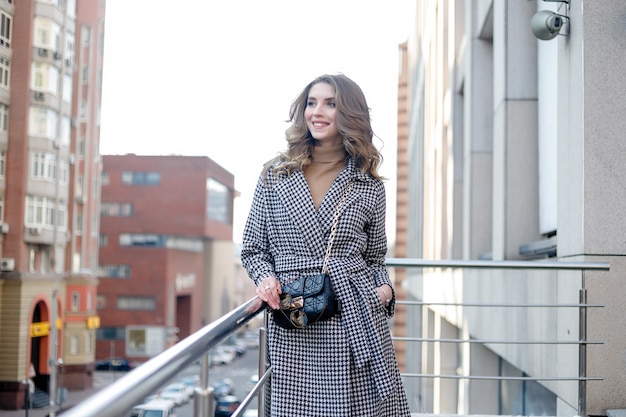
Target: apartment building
(50, 92)
(166, 252)
(515, 152)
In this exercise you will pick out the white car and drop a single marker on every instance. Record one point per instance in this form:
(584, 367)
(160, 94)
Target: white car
(222, 356)
(177, 392)
(154, 408)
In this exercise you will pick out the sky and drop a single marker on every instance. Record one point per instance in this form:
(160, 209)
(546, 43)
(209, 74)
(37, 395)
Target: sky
(217, 78)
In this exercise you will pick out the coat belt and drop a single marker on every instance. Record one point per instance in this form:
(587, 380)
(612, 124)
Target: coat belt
(356, 316)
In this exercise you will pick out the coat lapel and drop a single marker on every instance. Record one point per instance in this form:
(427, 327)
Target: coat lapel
(315, 226)
(296, 198)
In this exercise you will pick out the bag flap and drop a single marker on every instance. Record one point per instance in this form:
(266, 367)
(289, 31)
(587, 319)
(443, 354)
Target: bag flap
(305, 286)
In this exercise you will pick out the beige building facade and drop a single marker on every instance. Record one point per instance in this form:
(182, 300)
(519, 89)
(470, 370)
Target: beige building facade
(514, 151)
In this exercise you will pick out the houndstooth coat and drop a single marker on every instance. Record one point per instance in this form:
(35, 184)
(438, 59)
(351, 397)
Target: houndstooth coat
(345, 366)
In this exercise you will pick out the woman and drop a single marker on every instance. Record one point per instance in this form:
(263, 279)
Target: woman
(345, 366)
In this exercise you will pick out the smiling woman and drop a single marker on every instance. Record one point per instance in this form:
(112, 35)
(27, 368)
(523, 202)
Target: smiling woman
(224, 91)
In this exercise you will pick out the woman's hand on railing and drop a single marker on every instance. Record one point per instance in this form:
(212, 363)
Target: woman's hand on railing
(269, 291)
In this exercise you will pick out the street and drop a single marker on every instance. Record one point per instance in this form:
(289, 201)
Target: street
(238, 371)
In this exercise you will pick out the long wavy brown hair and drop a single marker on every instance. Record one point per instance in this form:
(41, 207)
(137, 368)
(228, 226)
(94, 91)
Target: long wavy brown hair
(353, 122)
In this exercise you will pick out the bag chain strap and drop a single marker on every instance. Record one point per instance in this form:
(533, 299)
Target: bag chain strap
(333, 229)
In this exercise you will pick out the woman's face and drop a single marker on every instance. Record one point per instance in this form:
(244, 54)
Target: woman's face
(320, 112)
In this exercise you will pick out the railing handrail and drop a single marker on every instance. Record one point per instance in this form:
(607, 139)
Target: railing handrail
(119, 397)
(454, 263)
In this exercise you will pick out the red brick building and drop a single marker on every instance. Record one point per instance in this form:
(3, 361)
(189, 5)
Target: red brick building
(166, 251)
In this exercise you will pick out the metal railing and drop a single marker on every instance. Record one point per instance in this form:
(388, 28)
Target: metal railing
(119, 397)
(582, 307)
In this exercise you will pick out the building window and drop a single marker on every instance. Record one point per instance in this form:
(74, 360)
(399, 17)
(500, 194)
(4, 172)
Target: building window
(1, 208)
(40, 211)
(111, 333)
(89, 343)
(4, 118)
(101, 302)
(45, 167)
(139, 239)
(47, 36)
(5, 73)
(45, 77)
(3, 163)
(218, 204)
(74, 345)
(116, 209)
(75, 301)
(136, 303)
(102, 240)
(115, 271)
(141, 178)
(5, 30)
(42, 122)
(67, 89)
(66, 129)
(104, 177)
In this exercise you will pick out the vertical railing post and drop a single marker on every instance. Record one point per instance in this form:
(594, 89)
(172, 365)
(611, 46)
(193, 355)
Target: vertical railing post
(263, 365)
(582, 350)
(203, 396)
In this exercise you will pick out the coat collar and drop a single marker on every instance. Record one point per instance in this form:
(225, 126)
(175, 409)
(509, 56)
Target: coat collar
(313, 225)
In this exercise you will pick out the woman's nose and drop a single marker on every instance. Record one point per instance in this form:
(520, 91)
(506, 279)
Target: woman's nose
(317, 109)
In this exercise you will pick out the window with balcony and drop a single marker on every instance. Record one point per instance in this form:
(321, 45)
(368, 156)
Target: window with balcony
(42, 122)
(47, 34)
(5, 29)
(4, 118)
(40, 211)
(5, 72)
(44, 166)
(45, 77)
(3, 163)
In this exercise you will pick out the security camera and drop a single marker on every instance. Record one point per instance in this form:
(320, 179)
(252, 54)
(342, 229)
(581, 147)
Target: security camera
(546, 24)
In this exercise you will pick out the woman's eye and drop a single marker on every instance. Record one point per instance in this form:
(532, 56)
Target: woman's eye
(310, 103)
(332, 104)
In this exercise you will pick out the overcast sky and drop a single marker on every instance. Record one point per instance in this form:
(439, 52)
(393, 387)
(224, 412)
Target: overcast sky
(216, 78)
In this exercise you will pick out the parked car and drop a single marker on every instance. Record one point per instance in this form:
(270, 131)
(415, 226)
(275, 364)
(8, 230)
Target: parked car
(222, 356)
(226, 406)
(177, 392)
(240, 347)
(251, 339)
(223, 388)
(155, 408)
(114, 364)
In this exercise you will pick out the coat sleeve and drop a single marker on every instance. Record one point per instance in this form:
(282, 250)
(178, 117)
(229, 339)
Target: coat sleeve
(377, 244)
(255, 254)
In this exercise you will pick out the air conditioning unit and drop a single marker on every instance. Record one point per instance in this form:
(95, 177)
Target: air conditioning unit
(35, 231)
(39, 96)
(4, 228)
(56, 56)
(7, 264)
(43, 52)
